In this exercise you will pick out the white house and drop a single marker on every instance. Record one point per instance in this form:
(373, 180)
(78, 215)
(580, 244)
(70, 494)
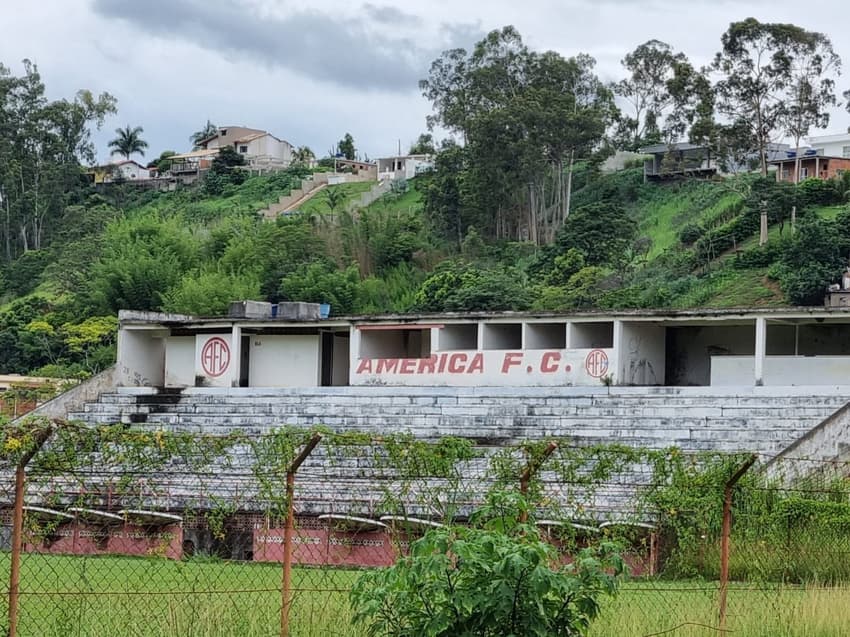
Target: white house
(260, 148)
(831, 145)
(403, 166)
(127, 169)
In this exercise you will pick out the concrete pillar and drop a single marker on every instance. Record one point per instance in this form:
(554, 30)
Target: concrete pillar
(353, 354)
(235, 355)
(763, 228)
(570, 335)
(761, 347)
(618, 354)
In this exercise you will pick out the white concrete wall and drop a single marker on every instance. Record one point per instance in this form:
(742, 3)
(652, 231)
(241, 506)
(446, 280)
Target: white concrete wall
(214, 366)
(831, 145)
(781, 370)
(641, 354)
(180, 361)
(141, 358)
(284, 361)
(550, 368)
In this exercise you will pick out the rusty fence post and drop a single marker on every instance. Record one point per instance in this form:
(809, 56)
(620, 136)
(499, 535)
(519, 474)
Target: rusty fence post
(40, 436)
(528, 472)
(288, 531)
(725, 533)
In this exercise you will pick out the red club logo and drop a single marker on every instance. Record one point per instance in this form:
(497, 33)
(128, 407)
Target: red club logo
(215, 357)
(596, 363)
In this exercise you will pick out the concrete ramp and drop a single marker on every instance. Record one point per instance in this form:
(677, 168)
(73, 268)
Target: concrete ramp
(828, 442)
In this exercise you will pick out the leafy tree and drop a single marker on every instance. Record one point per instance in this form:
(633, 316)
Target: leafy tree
(142, 259)
(459, 287)
(346, 146)
(495, 578)
(811, 260)
(424, 145)
(525, 117)
(321, 282)
(335, 197)
(757, 64)
(128, 141)
(209, 293)
(601, 232)
(811, 90)
(91, 342)
(658, 80)
(41, 146)
(163, 162)
(224, 171)
(303, 155)
(444, 199)
(206, 132)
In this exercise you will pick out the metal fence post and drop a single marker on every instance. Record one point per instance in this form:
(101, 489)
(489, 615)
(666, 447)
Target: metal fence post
(725, 533)
(289, 529)
(39, 438)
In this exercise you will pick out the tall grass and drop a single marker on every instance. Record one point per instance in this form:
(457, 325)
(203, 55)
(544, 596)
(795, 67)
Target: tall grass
(64, 596)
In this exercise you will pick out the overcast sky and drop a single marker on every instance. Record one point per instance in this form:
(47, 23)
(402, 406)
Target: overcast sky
(309, 72)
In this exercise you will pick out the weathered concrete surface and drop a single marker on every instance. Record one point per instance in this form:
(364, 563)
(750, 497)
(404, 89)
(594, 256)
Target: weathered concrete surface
(759, 419)
(827, 442)
(75, 398)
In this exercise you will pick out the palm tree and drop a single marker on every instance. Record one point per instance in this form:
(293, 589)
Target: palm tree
(206, 132)
(129, 141)
(303, 155)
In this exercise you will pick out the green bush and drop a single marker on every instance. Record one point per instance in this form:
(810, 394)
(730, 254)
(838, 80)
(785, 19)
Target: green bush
(210, 293)
(460, 287)
(495, 580)
(321, 282)
(818, 192)
(690, 234)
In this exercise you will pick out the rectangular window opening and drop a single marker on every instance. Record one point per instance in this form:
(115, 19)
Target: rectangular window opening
(502, 336)
(545, 336)
(395, 343)
(460, 337)
(593, 335)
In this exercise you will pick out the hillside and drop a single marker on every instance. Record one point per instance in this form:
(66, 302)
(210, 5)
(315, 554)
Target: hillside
(626, 244)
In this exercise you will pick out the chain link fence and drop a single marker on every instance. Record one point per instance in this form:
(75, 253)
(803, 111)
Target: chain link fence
(130, 531)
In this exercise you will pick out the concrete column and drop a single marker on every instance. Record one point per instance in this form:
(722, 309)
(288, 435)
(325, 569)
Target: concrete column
(619, 354)
(353, 354)
(235, 355)
(570, 335)
(761, 346)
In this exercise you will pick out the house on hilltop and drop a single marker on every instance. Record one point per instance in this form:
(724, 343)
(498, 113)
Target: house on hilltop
(403, 166)
(813, 163)
(679, 159)
(261, 149)
(127, 169)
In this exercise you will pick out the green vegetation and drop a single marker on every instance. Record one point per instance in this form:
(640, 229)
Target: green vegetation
(499, 578)
(214, 598)
(320, 203)
(519, 217)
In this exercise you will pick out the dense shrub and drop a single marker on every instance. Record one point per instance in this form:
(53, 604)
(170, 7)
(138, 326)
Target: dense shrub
(818, 192)
(493, 579)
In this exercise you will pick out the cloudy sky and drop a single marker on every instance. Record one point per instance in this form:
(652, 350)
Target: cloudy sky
(309, 72)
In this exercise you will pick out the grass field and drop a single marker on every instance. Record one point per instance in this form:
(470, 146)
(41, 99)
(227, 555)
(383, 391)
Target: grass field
(95, 596)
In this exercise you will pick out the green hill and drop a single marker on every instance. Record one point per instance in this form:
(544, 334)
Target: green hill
(625, 244)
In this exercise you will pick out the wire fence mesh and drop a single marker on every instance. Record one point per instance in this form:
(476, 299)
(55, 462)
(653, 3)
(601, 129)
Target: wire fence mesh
(130, 531)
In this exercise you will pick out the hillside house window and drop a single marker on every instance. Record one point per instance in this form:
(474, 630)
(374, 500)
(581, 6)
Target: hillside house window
(845, 152)
(243, 149)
